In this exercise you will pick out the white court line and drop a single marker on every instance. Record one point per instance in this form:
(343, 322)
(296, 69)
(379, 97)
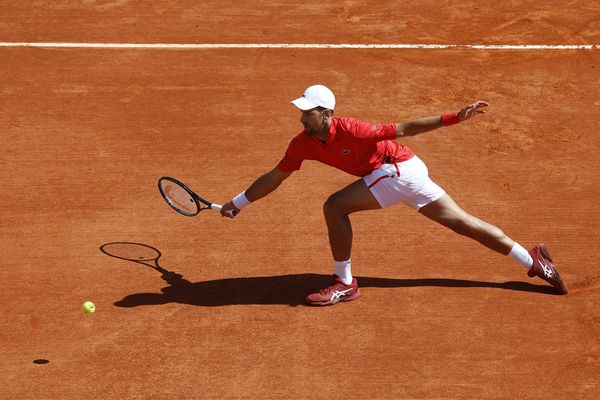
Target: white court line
(302, 46)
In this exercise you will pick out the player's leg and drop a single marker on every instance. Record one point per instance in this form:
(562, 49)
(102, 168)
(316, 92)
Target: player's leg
(354, 197)
(411, 185)
(445, 211)
(537, 261)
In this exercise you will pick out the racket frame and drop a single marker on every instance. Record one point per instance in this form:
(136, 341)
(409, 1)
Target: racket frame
(197, 199)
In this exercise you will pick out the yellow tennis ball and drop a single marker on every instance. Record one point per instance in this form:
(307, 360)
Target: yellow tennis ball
(88, 307)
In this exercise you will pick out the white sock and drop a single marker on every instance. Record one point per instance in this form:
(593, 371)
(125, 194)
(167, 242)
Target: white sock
(521, 255)
(344, 271)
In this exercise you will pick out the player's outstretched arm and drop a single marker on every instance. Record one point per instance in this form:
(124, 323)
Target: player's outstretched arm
(426, 124)
(261, 187)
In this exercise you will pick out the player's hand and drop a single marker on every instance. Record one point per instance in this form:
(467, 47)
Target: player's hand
(227, 209)
(471, 110)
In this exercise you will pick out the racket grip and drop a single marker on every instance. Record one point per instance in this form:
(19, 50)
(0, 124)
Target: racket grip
(218, 208)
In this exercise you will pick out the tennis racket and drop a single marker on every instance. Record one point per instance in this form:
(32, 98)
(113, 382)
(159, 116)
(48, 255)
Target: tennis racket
(183, 200)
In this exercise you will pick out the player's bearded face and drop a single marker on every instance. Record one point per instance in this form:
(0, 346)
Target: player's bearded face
(313, 121)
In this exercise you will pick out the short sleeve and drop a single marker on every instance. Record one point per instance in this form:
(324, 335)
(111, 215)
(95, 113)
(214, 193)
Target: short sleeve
(374, 132)
(292, 161)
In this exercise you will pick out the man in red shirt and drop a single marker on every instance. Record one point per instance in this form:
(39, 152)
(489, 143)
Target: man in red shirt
(390, 173)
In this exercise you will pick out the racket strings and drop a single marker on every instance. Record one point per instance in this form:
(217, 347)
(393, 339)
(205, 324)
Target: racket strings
(179, 198)
(131, 251)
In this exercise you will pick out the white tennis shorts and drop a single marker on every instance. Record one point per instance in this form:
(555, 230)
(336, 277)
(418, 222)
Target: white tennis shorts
(405, 182)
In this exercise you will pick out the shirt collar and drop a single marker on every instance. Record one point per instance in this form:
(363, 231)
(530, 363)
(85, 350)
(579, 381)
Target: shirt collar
(332, 130)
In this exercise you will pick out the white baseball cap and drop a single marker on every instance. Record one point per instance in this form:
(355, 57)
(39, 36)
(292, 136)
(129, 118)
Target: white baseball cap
(315, 96)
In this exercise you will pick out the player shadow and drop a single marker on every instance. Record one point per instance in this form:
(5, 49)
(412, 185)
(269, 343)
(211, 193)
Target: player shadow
(287, 289)
(280, 289)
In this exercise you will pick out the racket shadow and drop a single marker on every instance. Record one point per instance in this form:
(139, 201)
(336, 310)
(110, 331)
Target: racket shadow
(285, 289)
(141, 254)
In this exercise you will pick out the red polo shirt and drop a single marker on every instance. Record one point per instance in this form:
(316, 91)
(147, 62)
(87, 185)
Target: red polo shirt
(354, 146)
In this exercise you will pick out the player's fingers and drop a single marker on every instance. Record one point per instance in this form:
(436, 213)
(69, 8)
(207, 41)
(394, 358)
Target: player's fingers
(232, 213)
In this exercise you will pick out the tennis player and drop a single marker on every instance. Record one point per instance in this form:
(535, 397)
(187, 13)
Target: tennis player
(390, 173)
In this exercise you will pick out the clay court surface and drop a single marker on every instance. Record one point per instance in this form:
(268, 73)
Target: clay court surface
(86, 133)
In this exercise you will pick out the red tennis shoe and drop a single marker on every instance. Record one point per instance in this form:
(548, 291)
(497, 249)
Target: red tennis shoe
(334, 293)
(545, 269)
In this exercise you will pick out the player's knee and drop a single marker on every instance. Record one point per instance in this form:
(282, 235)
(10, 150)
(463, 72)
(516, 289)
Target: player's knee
(470, 226)
(463, 225)
(332, 206)
(458, 226)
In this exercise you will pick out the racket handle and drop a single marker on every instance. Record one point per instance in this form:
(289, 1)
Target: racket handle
(218, 208)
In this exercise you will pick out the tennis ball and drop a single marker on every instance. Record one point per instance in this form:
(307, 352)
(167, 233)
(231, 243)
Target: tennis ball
(88, 307)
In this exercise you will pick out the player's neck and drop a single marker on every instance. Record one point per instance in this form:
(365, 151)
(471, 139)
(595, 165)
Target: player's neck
(324, 132)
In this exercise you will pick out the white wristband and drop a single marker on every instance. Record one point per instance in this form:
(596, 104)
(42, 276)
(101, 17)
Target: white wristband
(240, 201)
